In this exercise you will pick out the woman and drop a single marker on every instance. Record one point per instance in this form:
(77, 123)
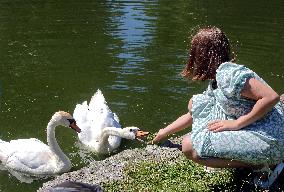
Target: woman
(238, 121)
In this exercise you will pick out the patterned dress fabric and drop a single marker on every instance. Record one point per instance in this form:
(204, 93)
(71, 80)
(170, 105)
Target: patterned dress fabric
(261, 142)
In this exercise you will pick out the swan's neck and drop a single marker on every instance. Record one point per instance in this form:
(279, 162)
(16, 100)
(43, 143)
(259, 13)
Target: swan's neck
(106, 132)
(114, 131)
(51, 140)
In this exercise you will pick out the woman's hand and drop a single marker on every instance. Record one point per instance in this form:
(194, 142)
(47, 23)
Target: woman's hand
(179, 124)
(223, 125)
(162, 134)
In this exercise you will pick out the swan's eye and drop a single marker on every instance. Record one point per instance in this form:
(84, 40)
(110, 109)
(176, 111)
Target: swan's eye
(130, 130)
(71, 121)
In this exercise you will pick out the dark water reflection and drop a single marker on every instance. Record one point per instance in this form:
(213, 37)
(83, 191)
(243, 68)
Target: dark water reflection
(54, 54)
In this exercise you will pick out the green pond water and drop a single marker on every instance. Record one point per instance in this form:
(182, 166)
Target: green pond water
(57, 53)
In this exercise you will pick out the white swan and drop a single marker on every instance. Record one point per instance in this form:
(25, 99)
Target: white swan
(32, 157)
(101, 131)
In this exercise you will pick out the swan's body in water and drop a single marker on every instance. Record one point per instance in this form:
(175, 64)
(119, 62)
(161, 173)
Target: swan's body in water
(101, 130)
(31, 157)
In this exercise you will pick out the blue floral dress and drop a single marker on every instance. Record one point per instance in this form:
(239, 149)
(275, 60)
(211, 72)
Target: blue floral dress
(262, 142)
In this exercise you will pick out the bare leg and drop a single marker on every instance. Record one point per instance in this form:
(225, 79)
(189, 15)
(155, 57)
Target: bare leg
(191, 154)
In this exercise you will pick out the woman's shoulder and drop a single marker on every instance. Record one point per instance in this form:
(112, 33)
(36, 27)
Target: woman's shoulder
(231, 77)
(230, 66)
(230, 69)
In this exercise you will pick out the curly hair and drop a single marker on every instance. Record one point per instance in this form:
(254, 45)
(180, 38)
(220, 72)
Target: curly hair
(209, 48)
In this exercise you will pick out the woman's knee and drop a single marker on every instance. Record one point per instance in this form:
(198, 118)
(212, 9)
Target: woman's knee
(188, 150)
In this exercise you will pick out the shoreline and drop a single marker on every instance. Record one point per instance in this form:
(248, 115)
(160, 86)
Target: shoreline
(112, 168)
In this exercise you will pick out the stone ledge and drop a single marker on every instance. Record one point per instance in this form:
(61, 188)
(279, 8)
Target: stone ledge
(111, 169)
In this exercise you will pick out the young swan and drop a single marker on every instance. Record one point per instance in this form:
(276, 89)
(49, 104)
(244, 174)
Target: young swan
(32, 157)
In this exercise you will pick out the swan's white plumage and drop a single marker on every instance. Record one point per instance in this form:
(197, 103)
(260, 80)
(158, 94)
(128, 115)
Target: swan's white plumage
(32, 156)
(93, 120)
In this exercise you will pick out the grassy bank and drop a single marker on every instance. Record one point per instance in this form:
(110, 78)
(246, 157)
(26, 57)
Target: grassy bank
(181, 176)
(154, 168)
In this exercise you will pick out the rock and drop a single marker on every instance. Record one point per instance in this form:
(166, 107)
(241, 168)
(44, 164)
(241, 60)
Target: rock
(68, 186)
(111, 169)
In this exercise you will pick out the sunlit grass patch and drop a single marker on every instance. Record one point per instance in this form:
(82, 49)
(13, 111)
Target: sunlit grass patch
(181, 176)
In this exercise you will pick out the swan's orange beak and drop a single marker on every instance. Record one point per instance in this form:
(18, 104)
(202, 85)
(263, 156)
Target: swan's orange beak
(75, 127)
(141, 134)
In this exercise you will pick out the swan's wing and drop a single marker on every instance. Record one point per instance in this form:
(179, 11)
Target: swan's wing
(116, 120)
(80, 115)
(115, 117)
(97, 101)
(8, 148)
(32, 142)
(98, 114)
(26, 155)
(80, 112)
(85, 136)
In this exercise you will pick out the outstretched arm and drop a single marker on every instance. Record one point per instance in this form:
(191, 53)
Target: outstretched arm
(265, 97)
(179, 124)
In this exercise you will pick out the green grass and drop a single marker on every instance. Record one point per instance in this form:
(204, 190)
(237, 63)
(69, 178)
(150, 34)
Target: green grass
(182, 176)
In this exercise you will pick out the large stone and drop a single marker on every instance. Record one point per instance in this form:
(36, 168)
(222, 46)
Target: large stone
(111, 169)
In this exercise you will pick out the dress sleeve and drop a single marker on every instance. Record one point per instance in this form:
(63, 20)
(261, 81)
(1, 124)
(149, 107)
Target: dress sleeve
(231, 79)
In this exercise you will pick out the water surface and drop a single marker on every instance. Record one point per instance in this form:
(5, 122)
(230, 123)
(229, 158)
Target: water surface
(55, 54)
